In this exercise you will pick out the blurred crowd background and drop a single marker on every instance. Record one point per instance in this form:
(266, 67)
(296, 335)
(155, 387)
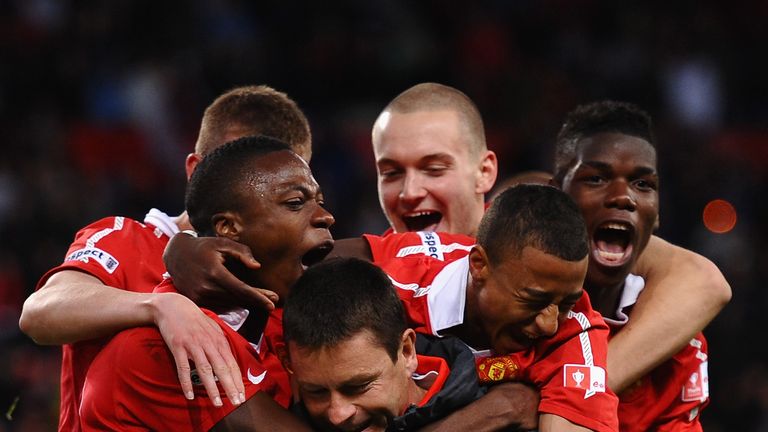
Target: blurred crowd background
(100, 102)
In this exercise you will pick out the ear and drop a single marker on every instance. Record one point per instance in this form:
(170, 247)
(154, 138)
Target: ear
(488, 170)
(408, 350)
(192, 160)
(656, 224)
(479, 268)
(227, 224)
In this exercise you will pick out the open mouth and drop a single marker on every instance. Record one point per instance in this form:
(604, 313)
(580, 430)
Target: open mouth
(423, 220)
(317, 254)
(612, 243)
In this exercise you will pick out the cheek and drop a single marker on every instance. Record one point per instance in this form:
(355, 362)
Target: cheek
(388, 192)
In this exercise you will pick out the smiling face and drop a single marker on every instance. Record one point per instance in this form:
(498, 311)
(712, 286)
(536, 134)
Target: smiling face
(355, 385)
(281, 218)
(615, 184)
(428, 177)
(523, 298)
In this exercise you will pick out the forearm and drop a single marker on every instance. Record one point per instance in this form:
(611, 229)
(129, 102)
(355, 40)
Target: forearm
(507, 406)
(74, 307)
(683, 293)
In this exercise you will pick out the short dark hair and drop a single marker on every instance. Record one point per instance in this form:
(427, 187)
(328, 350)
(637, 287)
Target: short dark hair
(539, 216)
(338, 298)
(215, 185)
(255, 110)
(600, 117)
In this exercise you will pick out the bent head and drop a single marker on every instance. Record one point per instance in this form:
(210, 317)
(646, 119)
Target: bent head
(349, 348)
(432, 161)
(527, 268)
(607, 164)
(258, 192)
(250, 111)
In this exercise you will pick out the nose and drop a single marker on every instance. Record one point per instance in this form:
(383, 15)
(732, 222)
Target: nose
(340, 410)
(413, 189)
(546, 320)
(322, 218)
(620, 196)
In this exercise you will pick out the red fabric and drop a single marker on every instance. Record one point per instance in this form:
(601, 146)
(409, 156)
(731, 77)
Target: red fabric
(429, 364)
(582, 339)
(121, 253)
(132, 385)
(656, 401)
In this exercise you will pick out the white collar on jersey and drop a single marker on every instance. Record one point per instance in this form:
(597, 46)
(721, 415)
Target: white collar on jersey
(447, 295)
(633, 286)
(162, 221)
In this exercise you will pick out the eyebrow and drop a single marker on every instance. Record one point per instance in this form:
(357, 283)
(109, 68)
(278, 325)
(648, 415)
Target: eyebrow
(426, 158)
(638, 171)
(292, 186)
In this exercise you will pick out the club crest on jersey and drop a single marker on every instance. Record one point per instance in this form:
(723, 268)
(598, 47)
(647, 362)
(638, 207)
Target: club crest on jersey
(92, 253)
(495, 369)
(589, 378)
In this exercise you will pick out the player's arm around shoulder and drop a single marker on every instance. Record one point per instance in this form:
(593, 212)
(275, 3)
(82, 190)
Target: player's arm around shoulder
(260, 414)
(683, 292)
(73, 305)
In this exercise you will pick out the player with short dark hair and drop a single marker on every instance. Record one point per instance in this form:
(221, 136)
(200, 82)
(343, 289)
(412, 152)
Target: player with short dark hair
(356, 363)
(607, 162)
(106, 280)
(268, 200)
(516, 299)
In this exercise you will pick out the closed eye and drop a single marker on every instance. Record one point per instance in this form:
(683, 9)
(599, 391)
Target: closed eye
(295, 203)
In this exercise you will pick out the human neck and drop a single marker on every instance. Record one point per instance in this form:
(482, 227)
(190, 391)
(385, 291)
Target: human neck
(415, 393)
(605, 295)
(182, 221)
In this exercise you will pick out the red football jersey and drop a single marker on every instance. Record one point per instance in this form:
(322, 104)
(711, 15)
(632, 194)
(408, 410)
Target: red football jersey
(132, 385)
(122, 253)
(442, 246)
(671, 397)
(568, 368)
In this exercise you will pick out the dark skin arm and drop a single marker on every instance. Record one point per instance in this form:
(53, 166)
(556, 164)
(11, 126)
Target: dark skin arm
(355, 247)
(198, 271)
(260, 414)
(507, 406)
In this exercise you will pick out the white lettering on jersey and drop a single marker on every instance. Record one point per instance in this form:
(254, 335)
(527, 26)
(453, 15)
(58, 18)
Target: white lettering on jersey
(106, 260)
(431, 246)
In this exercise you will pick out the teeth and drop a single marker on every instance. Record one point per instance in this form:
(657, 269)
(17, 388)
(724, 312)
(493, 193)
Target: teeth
(610, 256)
(616, 226)
(417, 214)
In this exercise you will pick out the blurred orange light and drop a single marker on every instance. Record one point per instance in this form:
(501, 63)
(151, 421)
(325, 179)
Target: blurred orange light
(719, 216)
